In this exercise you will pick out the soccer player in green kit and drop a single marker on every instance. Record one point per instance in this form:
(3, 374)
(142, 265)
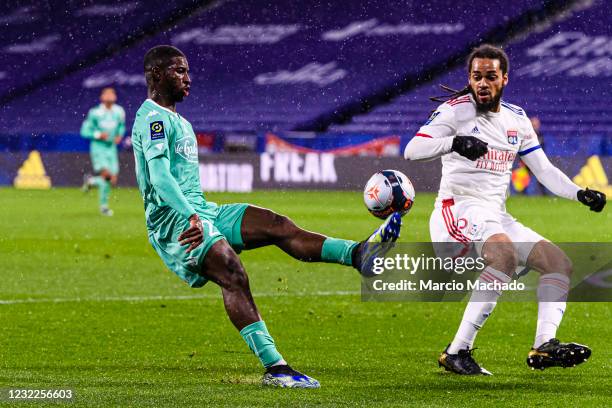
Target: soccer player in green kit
(105, 127)
(199, 240)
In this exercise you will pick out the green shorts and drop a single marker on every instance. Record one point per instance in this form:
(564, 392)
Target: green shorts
(104, 158)
(219, 222)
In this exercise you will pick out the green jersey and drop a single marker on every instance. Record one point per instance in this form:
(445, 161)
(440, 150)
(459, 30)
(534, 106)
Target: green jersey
(158, 132)
(102, 120)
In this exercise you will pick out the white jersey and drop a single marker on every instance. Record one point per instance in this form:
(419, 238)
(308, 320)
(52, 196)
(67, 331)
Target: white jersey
(508, 133)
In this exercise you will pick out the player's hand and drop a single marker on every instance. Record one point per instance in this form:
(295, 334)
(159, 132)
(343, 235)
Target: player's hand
(469, 147)
(194, 235)
(593, 199)
(118, 140)
(103, 136)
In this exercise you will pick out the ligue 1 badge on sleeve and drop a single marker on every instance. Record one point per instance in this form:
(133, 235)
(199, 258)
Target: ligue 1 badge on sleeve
(157, 130)
(512, 136)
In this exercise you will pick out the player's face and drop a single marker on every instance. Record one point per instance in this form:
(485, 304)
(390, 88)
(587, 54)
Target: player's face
(108, 97)
(487, 82)
(175, 79)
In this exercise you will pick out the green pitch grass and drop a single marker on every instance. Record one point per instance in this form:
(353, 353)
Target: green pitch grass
(86, 304)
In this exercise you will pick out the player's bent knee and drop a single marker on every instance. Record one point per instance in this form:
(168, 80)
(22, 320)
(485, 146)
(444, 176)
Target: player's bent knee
(499, 253)
(549, 258)
(237, 278)
(224, 268)
(559, 263)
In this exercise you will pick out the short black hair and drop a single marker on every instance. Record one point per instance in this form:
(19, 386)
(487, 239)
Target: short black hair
(491, 52)
(160, 56)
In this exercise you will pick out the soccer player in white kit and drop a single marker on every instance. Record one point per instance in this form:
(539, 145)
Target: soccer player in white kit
(478, 136)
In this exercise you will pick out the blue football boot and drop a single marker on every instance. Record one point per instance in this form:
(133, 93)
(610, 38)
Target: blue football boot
(286, 377)
(377, 244)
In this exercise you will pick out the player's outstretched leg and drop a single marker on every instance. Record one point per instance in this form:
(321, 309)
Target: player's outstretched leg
(261, 227)
(223, 267)
(553, 288)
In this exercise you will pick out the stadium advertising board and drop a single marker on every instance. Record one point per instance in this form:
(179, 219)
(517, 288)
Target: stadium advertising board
(281, 170)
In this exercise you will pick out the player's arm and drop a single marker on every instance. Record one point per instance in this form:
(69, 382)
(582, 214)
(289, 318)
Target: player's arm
(156, 151)
(166, 186)
(120, 127)
(168, 189)
(556, 181)
(438, 136)
(89, 128)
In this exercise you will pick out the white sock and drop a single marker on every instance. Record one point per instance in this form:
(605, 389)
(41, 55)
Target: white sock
(478, 309)
(552, 294)
(279, 362)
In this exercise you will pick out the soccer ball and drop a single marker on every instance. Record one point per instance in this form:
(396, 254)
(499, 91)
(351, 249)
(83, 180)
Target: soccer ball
(388, 191)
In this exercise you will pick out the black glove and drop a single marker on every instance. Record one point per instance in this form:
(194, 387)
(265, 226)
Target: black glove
(469, 146)
(594, 199)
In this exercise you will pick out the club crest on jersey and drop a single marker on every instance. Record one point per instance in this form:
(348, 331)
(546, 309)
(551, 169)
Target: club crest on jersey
(157, 130)
(512, 136)
(431, 118)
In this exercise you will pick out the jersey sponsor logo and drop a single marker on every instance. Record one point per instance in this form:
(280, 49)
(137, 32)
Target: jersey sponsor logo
(152, 113)
(108, 123)
(475, 130)
(431, 117)
(498, 161)
(157, 130)
(187, 149)
(512, 136)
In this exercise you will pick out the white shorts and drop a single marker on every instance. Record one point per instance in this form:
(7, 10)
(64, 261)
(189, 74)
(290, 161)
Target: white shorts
(468, 221)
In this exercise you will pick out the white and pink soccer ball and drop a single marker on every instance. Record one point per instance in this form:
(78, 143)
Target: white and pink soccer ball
(388, 191)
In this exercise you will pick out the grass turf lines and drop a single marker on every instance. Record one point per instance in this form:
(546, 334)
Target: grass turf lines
(85, 303)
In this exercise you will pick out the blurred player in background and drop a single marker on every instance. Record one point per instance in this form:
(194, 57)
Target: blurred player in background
(104, 127)
(478, 136)
(198, 240)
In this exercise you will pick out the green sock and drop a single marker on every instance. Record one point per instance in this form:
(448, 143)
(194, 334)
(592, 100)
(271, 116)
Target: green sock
(338, 251)
(261, 343)
(104, 187)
